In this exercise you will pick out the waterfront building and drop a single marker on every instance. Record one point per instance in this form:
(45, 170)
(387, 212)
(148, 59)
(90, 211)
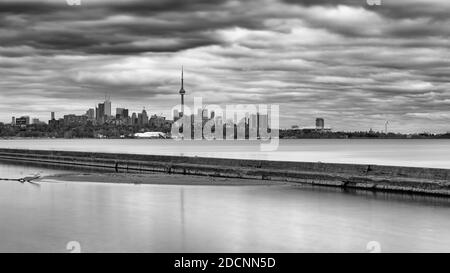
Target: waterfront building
(320, 123)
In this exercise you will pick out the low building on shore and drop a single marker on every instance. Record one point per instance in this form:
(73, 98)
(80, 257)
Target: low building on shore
(151, 135)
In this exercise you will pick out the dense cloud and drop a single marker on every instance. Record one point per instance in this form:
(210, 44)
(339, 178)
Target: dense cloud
(353, 64)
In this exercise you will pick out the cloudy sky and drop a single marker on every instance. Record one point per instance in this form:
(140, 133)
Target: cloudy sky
(353, 64)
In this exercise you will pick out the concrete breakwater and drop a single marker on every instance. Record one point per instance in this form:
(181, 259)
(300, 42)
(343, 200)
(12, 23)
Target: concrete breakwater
(373, 177)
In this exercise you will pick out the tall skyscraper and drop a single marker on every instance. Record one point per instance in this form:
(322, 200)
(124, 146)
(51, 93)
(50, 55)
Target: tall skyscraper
(182, 92)
(107, 107)
(101, 111)
(53, 116)
(144, 117)
(134, 119)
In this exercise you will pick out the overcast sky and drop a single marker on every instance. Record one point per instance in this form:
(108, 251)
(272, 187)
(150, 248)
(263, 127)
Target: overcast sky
(353, 64)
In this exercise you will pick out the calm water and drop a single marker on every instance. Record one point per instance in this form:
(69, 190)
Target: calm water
(163, 218)
(404, 152)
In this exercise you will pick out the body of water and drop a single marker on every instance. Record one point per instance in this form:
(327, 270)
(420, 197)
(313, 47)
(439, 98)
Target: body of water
(104, 217)
(432, 153)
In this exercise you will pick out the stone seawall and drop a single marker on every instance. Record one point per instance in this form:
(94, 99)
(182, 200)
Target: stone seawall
(374, 177)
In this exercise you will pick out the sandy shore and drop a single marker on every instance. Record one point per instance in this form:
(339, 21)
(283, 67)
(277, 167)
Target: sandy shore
(156, 178)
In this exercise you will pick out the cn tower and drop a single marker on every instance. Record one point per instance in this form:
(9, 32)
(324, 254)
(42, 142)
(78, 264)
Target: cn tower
(182, 92)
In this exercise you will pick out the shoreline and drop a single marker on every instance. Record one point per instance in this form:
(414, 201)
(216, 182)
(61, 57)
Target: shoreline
(156, 179)
(369, 177)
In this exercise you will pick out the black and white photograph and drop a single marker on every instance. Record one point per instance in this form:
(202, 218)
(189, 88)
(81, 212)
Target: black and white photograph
(224, 126)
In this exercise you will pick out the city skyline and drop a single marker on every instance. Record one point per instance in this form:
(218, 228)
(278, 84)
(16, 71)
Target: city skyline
(355, 65)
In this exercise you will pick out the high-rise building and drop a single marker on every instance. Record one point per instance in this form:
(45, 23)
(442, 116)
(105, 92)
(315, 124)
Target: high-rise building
(121, 113)
(13, 121)
(320, 123)
(90, 114)
(107, 107)
(52, 116)
(134, 119)
(182, 92)
(144, 117)
(100, 113)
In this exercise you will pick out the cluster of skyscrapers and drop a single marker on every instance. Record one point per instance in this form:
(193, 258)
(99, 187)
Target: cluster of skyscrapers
(102, 115)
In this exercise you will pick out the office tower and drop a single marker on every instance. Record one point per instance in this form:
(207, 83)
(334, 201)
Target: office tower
(107, 104)
(182, 92)
(90, 114)
(52, 116)
(101, 111)
(320, 123)
(119, 113)
(134, 119)
(144, 117)
(13, 121)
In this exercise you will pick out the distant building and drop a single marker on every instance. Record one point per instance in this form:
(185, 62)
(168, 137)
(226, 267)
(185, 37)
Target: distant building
(13, 121)
(144, 118)
(107, 110)
(320, 127)
(35, 121)
(320, 123)
(23, 121)
(52, 114)
(151, 135)
(157, 121)
(70, 120)
(121, 113)
(90, 114)
(100, 113)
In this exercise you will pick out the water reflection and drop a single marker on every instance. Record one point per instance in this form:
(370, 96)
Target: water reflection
(176, 218)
